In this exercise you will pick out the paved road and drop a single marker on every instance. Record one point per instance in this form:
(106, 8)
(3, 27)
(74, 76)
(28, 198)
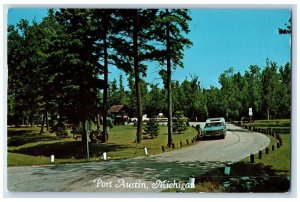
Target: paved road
(144, 174)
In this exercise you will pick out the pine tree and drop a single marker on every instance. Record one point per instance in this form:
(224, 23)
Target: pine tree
(74, 59)
(152, 128)
(134, 25)
(174, 23)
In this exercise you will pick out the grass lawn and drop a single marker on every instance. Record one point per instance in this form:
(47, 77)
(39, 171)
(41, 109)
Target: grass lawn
(27, 147)
(280, 159)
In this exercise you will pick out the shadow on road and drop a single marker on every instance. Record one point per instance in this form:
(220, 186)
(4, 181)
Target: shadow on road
(149, 169)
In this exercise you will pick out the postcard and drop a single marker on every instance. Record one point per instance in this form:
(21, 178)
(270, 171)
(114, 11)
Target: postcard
(150, 100)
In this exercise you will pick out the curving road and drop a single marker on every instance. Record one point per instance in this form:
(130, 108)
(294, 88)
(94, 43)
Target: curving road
(143, 174)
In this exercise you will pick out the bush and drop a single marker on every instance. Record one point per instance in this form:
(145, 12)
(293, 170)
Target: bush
(179, 123)
(62, 133)
(57, 126)
(152, 128)
(110, 122)
(77, 129)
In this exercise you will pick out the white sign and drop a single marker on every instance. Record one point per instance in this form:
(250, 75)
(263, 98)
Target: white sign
(250, 112)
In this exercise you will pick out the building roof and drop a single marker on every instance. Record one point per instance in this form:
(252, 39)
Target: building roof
(115, 108)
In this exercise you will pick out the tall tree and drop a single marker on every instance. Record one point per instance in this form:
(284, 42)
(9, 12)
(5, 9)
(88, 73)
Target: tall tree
(135, 26)
(27, 46)
(175, 24)
(270, 89)
(231, 104)
(74, 56)
(253, 93)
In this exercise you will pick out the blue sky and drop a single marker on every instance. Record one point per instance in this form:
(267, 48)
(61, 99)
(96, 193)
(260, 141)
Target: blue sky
(222, 38)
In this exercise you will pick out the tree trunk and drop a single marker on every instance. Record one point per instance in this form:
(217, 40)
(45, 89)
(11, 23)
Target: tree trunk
(98, 122)
(42, 127)
(47, 121)
(105, 96)
(84, 136)
(84, 132)
(169, 84)
(268, 113)
(137, 80)
(31, 120)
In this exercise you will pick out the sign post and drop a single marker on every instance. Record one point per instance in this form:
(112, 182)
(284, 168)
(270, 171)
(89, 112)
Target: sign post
(250, 114)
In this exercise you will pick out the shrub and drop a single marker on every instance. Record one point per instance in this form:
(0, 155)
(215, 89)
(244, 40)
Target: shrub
(77, 129)
(110, 122)
(62, 133)
(152, 128)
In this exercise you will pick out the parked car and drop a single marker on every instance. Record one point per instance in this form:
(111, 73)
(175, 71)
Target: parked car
(134, 119)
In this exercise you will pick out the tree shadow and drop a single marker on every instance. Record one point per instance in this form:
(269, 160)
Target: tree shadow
(148, 168)
(152, 169)
(21, 137)
(68, 149)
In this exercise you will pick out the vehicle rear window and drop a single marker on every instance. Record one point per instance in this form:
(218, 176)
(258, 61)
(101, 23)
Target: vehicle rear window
(213, 124)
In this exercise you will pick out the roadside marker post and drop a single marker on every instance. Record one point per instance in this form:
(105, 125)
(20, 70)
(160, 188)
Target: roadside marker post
(251, 158)
(260, 154)
(267, 150)
(227, 169)
(192, 181)
(146, 151)
(52, 158)
(104, 156)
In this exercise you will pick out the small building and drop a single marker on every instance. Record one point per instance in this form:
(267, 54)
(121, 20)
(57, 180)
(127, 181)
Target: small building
(119, 114)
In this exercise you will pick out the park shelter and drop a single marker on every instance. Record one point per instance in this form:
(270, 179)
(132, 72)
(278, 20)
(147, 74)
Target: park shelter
(119, 114)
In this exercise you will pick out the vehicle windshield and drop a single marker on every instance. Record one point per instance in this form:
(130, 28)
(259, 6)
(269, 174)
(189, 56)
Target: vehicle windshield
(213, 124)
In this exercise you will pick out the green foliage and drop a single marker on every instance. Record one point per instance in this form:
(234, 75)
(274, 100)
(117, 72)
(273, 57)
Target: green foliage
(77, 129)
(62, 133)
(110, 123)
(179, 122)
(266, 91)
(287, 29)
(151, 128)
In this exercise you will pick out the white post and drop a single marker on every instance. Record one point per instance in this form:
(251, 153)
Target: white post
(52, 158)
(104, 156)
(192, 181)
(146, 151)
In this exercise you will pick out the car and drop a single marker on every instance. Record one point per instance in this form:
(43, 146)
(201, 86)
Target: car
(215, 127)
